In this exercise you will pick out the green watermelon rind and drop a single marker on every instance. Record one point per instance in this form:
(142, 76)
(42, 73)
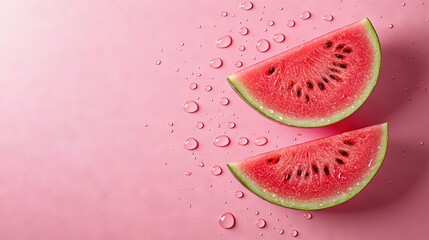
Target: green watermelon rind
(341, 114)
(315, 205)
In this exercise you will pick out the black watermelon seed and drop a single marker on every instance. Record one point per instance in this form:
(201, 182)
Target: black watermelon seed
(325, 80)
(334, 70)
(307, 98)
(340, 161)
(315, 169)
(339, 55)
(270, 160)
(343, 153)
(326, 170)
(271, 70)
(349, 142)
(340, 46)
(298, 93)
(342, 66)
(306, 175)
(328, 44)
(277, 160)
(333, 77)
(310, 85)
(288, 176)
(299, 172)
(321, 85)
(348, 50)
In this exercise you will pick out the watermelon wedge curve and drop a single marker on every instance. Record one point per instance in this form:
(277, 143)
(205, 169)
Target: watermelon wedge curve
(317, 83)
(316, 174)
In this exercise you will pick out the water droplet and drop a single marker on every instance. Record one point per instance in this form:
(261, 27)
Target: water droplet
(198, 74)
(224, 42)
(208, 88)
(241, 48)
(328, 18)
(290, 23)
(243, 31)
(215, 63)
(238, 64)
(238, 194)
(221, 141)
(262, 45)
(171, 130)
(199, 125)
(260, 223)
(278, 37)
(158, 62)
(270, 23)
(246, 5)
(243, 141)
(422, 143)
(256, 212)
(190, 144)
(224, 101)
(305, 15)
(224, 13)
(216, 170)
(281, 231)
(227, 220)
(190, 106)
(193, 86)
(200, 164)
(390, 26)
(403, 4)
(261, 141)
(293, 233)
(308, 215)
(187, 173)
(170, 124)
(231, 125)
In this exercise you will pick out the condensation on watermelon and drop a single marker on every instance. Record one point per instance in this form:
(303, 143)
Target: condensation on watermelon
(317, 83)
(316, 174)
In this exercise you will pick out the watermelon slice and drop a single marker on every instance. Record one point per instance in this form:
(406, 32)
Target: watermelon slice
(317, 83)
(317, 174)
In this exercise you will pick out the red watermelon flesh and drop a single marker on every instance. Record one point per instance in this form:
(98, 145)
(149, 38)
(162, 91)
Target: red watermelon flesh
(317, 174)
(317, 83)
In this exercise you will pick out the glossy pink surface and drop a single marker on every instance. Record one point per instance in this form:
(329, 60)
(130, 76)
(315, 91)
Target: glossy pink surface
(79, 81)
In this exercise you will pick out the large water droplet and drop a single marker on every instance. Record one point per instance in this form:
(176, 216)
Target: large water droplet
(278, 37)
(293, 233)
(270, 23)
(246, 5)
(231, 125)
(199, 125)
(215, 63)
(193, 86)
(224, 42)
(238, 64)
(238, 194)
(227, 220)
(221, 141)
(260, 223)
(208, 88)
(328, 18)
(290, 23)
(308, 215)
(243, 31)
(224, 13)
(243, 141)
(262, 45)
(216, 170)
(190, 144)
(305, 15)
(224, 101)
(190, 106)
(261, 141)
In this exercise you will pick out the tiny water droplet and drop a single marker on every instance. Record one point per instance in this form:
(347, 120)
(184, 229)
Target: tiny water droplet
(224, 42)
(182, 44)
(215, 63)
(262, 45)
(238, 194)
(190, 144)
(193, 86)
(190, 106)
(246, 5)
(290, 23)
(281, 231)
(278, 37)
(187, 173)
(199, 125)
(158, 62)
(238, 64)
(305, 15)
(294, 138)
(261, 234)
(221, 141)
(171, 130)
(261, 141)
(241, 48)
(390, 26)
(260, 223)
(231, 125)
(224, 101)
(208, 88)
(281, 8)
(256, 212)
(403, 4)
(293, 233)
(308, 215)
(422, 143)
(216, 170)
(227, 220)
(198, 74)
(269, 23)
(200, 164)
(328, 18)
(243, 31)
(243, 141)
(224, 13)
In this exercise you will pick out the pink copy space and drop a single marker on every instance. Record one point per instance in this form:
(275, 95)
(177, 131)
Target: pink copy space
(79, 82)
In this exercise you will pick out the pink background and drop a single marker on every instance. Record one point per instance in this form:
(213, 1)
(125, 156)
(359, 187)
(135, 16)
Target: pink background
(78, 83)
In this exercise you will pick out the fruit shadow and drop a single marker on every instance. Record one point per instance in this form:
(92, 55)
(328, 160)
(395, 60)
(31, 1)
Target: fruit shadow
(403, 167)
(398, 73)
